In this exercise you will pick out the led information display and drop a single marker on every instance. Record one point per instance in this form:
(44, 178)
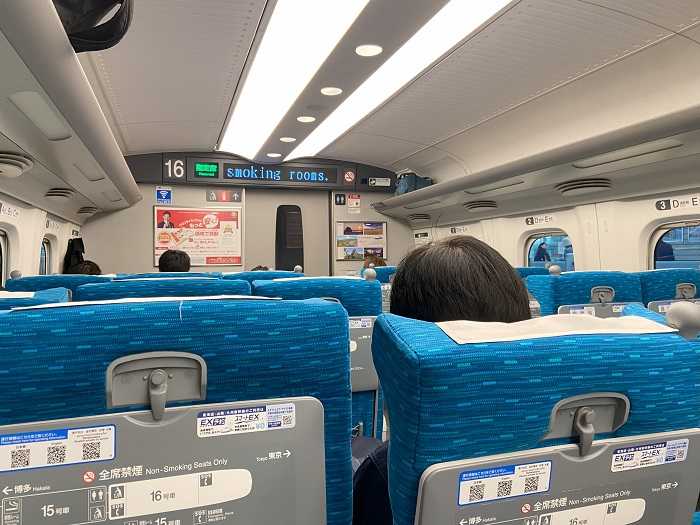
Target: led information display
(209, 170)
(284, 173)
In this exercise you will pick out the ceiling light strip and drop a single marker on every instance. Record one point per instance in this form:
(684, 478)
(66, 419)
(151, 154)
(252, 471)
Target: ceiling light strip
(291, 52)
(446, 29)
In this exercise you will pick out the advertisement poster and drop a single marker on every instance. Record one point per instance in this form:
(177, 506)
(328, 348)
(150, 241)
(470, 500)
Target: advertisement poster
(356, 240)
(211, 237)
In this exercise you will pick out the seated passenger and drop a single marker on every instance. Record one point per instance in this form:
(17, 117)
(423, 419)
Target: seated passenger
(375, 260)
(459, 278)
(260, 268)
(174, 261)
(663, 251)
(541, 254)
(85, 268)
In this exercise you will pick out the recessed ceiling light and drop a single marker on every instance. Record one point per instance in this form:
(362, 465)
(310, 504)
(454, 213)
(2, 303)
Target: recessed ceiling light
(264, 101)
(274, 154)
(368, 50)
(331, 91)
(306, 119)
(287, 139)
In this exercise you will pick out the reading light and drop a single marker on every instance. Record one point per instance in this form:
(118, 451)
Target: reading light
(445, 30)
(274, 155)
(289, 53)
(288, 139)
(306, 119)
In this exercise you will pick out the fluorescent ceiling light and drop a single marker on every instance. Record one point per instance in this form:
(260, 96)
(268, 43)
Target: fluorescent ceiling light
(291, 51)
(445, 30)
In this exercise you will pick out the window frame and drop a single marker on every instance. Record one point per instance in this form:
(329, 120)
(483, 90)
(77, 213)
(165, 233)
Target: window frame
(46, 246)
(4, 245)
(530, 240)
(660, 231)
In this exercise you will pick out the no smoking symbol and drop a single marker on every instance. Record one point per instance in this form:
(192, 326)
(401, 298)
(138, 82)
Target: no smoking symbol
(89, 476)
(525, 508)
(349, 176)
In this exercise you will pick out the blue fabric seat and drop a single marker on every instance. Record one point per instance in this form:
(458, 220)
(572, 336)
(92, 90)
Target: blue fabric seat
(254, 349)
(524, 272)
(44, 282)
(660, 285)
(448, 401)
(9, 300)
(266, 275)
(553, 291)
(166, 275)
(174, 287)
(358, 297)
(384, 273)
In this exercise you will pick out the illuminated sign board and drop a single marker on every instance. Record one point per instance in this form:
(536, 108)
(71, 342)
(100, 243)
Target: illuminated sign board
(283, 173)
(208, 170)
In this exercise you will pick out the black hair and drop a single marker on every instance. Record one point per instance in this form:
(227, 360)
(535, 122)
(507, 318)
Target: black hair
(85, 268)
(174, 261)
(260, 268)
(166, 212)
(458, 278)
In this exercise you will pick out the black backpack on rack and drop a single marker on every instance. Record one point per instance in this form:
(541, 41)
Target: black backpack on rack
(80, 19)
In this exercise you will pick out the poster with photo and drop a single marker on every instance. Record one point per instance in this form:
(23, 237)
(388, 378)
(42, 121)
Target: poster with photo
(210, 236)
(356, 240)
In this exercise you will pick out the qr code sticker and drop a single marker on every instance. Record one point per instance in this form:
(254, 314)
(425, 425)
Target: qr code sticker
(91, 451)
(56, 455)
(680, 454)
(287, 420)
(476, 492)
(504, 488)
(531, 484)
(19, 458)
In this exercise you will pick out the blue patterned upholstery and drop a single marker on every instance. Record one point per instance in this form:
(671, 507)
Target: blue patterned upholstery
(575, 288)
(660, 285)
(160, 288)
(52, 295)
(383, 273)
(44, 282)
(448, 401)
(527, 271)
(696, 519)
(640, 311)
(267, 275)
(254, 349)
(161, 275)
(359, 297)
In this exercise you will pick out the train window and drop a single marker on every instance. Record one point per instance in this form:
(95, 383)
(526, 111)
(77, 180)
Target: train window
(3, 257)
(551, 247)
(676, 247)
(44, 257)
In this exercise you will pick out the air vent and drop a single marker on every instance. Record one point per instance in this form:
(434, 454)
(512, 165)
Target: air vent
(581, 187)
(419, 217)
(59, 194)
(477, 206)
(87, 210)
(378, 206)
(13, 165)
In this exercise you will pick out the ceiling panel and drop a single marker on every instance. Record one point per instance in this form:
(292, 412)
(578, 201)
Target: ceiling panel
(170, 82)
(533, 48)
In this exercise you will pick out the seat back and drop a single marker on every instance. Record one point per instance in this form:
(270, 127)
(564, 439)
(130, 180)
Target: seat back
(363, 300)
(524, 272)
(576, 288)
(9, 300)
(174, 287)
(263, 275)
(450, 400)
(384, 273)
(660, 288)
(253, 348)
(168, 275)
(35, 283)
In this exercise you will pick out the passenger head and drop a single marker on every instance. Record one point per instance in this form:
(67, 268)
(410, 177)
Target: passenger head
(260, 269)
(85, 268)
(543, 246)
(375, 260)
(174, 261)
(458, 278)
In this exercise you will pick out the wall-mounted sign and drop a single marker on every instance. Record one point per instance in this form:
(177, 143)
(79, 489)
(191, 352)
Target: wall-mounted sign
(540, 219)
(164, 195)
(690, 201)
(459, 230)
(235, 195)
(356, 240)
(52, 225)
(210, 236)
(380, 181)
(340, 199)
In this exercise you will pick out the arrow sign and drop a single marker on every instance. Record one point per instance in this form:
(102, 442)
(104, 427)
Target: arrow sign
(287, 453)
(675, 484)
(463, 522)
(7, 490)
